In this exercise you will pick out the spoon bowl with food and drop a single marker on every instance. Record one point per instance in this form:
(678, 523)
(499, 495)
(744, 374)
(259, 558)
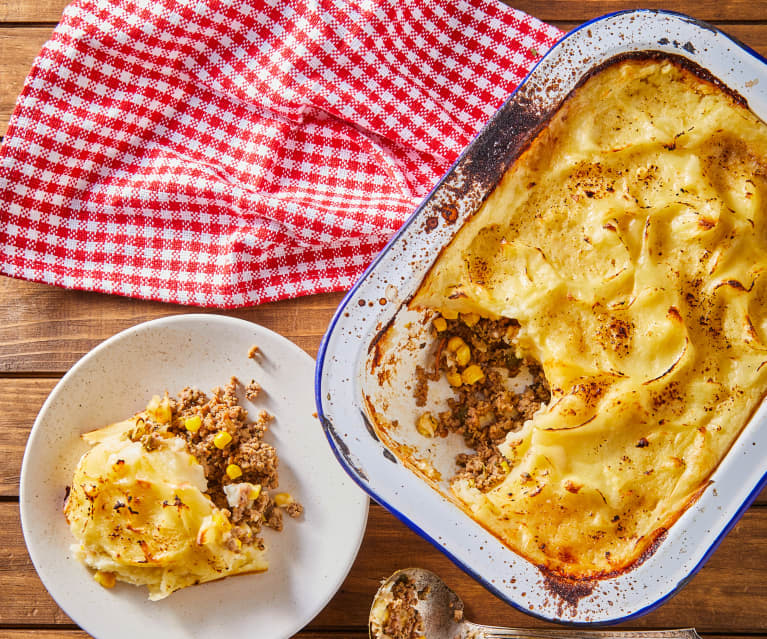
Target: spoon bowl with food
(416, 604)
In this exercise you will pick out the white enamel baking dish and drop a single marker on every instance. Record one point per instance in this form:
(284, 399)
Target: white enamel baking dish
(351, 381)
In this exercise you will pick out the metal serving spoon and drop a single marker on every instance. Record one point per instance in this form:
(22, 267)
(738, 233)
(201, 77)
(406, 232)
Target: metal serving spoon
(441, 612)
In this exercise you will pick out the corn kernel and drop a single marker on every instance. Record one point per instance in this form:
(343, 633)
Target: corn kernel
(283, 499)
(222, 439)
(426, 425)
(255, 492)
(454, 343)
(472, 374)
(470, 319)
(449, 314)
(505, 466)
(193, 423)
(105, 579)
(233, 471)
(454, 379)
(463, 355)
(221, 521)
(440, 324)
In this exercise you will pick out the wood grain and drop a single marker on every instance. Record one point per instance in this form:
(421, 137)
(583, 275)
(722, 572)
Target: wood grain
(66, 633)
(21, 11)
(20, 401)
(18, 48)
(709, 10)
(47, 329)
(719, 599)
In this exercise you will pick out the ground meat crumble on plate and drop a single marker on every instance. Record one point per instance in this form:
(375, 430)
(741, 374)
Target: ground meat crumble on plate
(235, 458)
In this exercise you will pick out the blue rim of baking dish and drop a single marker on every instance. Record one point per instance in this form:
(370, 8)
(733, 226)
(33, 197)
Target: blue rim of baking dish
(322, 352)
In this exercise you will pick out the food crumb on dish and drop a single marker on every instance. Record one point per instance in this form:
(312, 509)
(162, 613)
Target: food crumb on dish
(395, 616)
(178, 494)
(254, 351)
(252, 390)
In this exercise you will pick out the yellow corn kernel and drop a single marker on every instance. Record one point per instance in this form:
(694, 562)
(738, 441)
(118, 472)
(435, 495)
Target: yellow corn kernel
(440, 324)
(221, 521)
(454, 343)
(222, 439)
(426, 425)
(470, 319)
(283, 499)
(505, 466)
(255, 492)
(233, 471)
(454, 379)
(472, 374)
(449, 314)
(105, 579)
(463, 355)
(193, 423)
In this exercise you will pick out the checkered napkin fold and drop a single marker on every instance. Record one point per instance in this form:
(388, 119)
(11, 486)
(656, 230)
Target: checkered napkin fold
(231, 152)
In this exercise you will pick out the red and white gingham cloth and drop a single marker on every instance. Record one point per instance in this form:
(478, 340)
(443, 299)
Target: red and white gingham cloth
(231, 152)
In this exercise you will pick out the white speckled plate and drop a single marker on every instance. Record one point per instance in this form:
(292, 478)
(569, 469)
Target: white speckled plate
(308, 560)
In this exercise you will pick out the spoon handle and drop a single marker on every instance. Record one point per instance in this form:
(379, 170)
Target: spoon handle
(491, 632)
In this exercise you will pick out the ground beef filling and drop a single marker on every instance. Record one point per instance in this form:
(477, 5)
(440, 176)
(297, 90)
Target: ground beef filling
(256, 459)
(403, 621)
(478, 357)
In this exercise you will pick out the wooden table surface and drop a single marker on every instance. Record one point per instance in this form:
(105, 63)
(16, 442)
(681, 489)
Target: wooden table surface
(44, 330)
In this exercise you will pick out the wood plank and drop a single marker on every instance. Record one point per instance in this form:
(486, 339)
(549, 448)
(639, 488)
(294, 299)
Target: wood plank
(65, 633)
(14, 11)
(709, 10)
(305, 634)
(728, 596)
(31, 10)
(80, 634)
(18, 49)
(20, 401)
(47, 329)
(20, 45)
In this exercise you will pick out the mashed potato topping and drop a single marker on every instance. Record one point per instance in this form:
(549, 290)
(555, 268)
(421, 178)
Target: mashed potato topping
(143, 515)
(629, 241)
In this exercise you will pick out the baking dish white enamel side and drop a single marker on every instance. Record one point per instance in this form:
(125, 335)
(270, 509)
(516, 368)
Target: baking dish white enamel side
(347, 368)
